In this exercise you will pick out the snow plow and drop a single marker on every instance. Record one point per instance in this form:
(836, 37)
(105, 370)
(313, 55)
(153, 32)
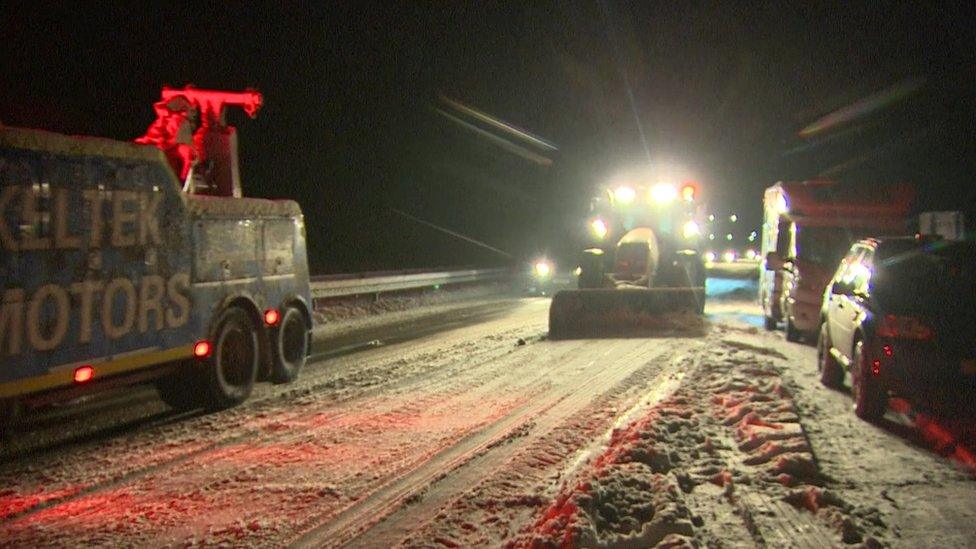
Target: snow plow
(650, 280)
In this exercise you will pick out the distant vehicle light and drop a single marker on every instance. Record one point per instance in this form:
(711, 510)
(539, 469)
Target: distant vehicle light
(728, 237)
(624, 195)
(711, 257)
(733, 218)
(201, 349)
(729, 256)
(599, 228)
(272, 317)
(711, 236)
(690, 230)
(751, 254)
(84, 374)
(752, 236)
(578, 271)
(663, 194)
(688, 192)
(711, 217)
(542, 269)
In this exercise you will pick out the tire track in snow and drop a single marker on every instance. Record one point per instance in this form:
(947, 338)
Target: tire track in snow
(127, 471)
(483, 446)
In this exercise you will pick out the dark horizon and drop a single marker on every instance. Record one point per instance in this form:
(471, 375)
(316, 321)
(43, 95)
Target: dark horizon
(352, 126)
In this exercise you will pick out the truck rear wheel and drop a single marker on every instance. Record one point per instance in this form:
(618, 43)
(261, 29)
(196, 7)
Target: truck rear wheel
(290, 346)
(233, 367)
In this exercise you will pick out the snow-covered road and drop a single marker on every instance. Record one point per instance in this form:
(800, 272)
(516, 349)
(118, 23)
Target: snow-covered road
(486, 433)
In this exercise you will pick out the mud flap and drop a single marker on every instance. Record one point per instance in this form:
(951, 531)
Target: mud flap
(626, 312)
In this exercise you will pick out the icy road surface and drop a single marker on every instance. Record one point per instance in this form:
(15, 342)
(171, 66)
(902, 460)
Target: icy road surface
(488, 434)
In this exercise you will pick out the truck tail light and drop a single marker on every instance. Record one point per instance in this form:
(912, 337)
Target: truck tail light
(904, 327)
(272, 317)
(201, 349)
(84, 374)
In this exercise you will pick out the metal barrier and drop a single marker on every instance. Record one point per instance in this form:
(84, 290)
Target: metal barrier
(330, 286)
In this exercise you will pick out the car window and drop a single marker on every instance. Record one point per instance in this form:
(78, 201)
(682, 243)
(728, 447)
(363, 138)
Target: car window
(941, 276)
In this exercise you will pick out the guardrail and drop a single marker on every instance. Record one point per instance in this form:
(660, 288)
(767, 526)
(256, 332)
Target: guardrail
(332, 286)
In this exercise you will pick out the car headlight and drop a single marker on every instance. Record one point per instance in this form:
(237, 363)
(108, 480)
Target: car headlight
(690, 230)
(751, 254)
(599, 228)
(728, 256)
(663, 194)
(624, 195)
(542, 269)
(711, 257)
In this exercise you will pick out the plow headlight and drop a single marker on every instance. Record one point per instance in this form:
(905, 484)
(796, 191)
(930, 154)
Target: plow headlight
(690, 230)
(599, 228)
(710, 257)
(729, 256)
(663, 194)
(624, 195)
(542, 269)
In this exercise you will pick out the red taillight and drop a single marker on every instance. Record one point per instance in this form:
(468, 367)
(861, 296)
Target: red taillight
(201, 349)
(904, 327)
(887, 350)
(84, 374)
(271, 317)
(875, 366)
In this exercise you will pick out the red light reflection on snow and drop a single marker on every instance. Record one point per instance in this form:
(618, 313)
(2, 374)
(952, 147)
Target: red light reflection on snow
(12, 503)
(954, 439)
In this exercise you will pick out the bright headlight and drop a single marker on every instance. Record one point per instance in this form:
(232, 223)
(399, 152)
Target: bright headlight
(542, 269)
(728, 256)
(599, 228)
(690, 230)
(624, 195)
(663, 194)
(751, 254)
(710, 257)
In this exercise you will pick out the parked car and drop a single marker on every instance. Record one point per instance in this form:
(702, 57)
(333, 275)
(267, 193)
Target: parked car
(899, 316)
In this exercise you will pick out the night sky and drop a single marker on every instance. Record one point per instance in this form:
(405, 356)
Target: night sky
(356, 125)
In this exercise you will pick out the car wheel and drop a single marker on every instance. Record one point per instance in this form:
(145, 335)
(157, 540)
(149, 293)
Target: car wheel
(831, 374)
(290, 346)
(869, 399)
(233, 366)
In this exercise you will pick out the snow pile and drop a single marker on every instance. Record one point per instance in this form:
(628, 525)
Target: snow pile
(724, 460)
(351, 308)
(625, 497)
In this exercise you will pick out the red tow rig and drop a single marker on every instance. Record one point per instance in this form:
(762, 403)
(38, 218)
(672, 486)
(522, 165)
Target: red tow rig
(191, 129)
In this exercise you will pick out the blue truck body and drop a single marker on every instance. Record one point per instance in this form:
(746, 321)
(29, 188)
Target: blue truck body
(106, 263)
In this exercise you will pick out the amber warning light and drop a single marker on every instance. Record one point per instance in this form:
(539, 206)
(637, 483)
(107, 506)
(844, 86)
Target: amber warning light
(84, 374)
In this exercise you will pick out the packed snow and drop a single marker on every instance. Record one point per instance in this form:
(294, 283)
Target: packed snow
(488, 434)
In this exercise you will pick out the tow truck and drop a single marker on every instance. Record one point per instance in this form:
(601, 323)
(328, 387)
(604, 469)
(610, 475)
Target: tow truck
(141, 262)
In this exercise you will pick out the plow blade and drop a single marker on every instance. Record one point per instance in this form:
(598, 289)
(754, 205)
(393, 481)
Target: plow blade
(630, 312)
